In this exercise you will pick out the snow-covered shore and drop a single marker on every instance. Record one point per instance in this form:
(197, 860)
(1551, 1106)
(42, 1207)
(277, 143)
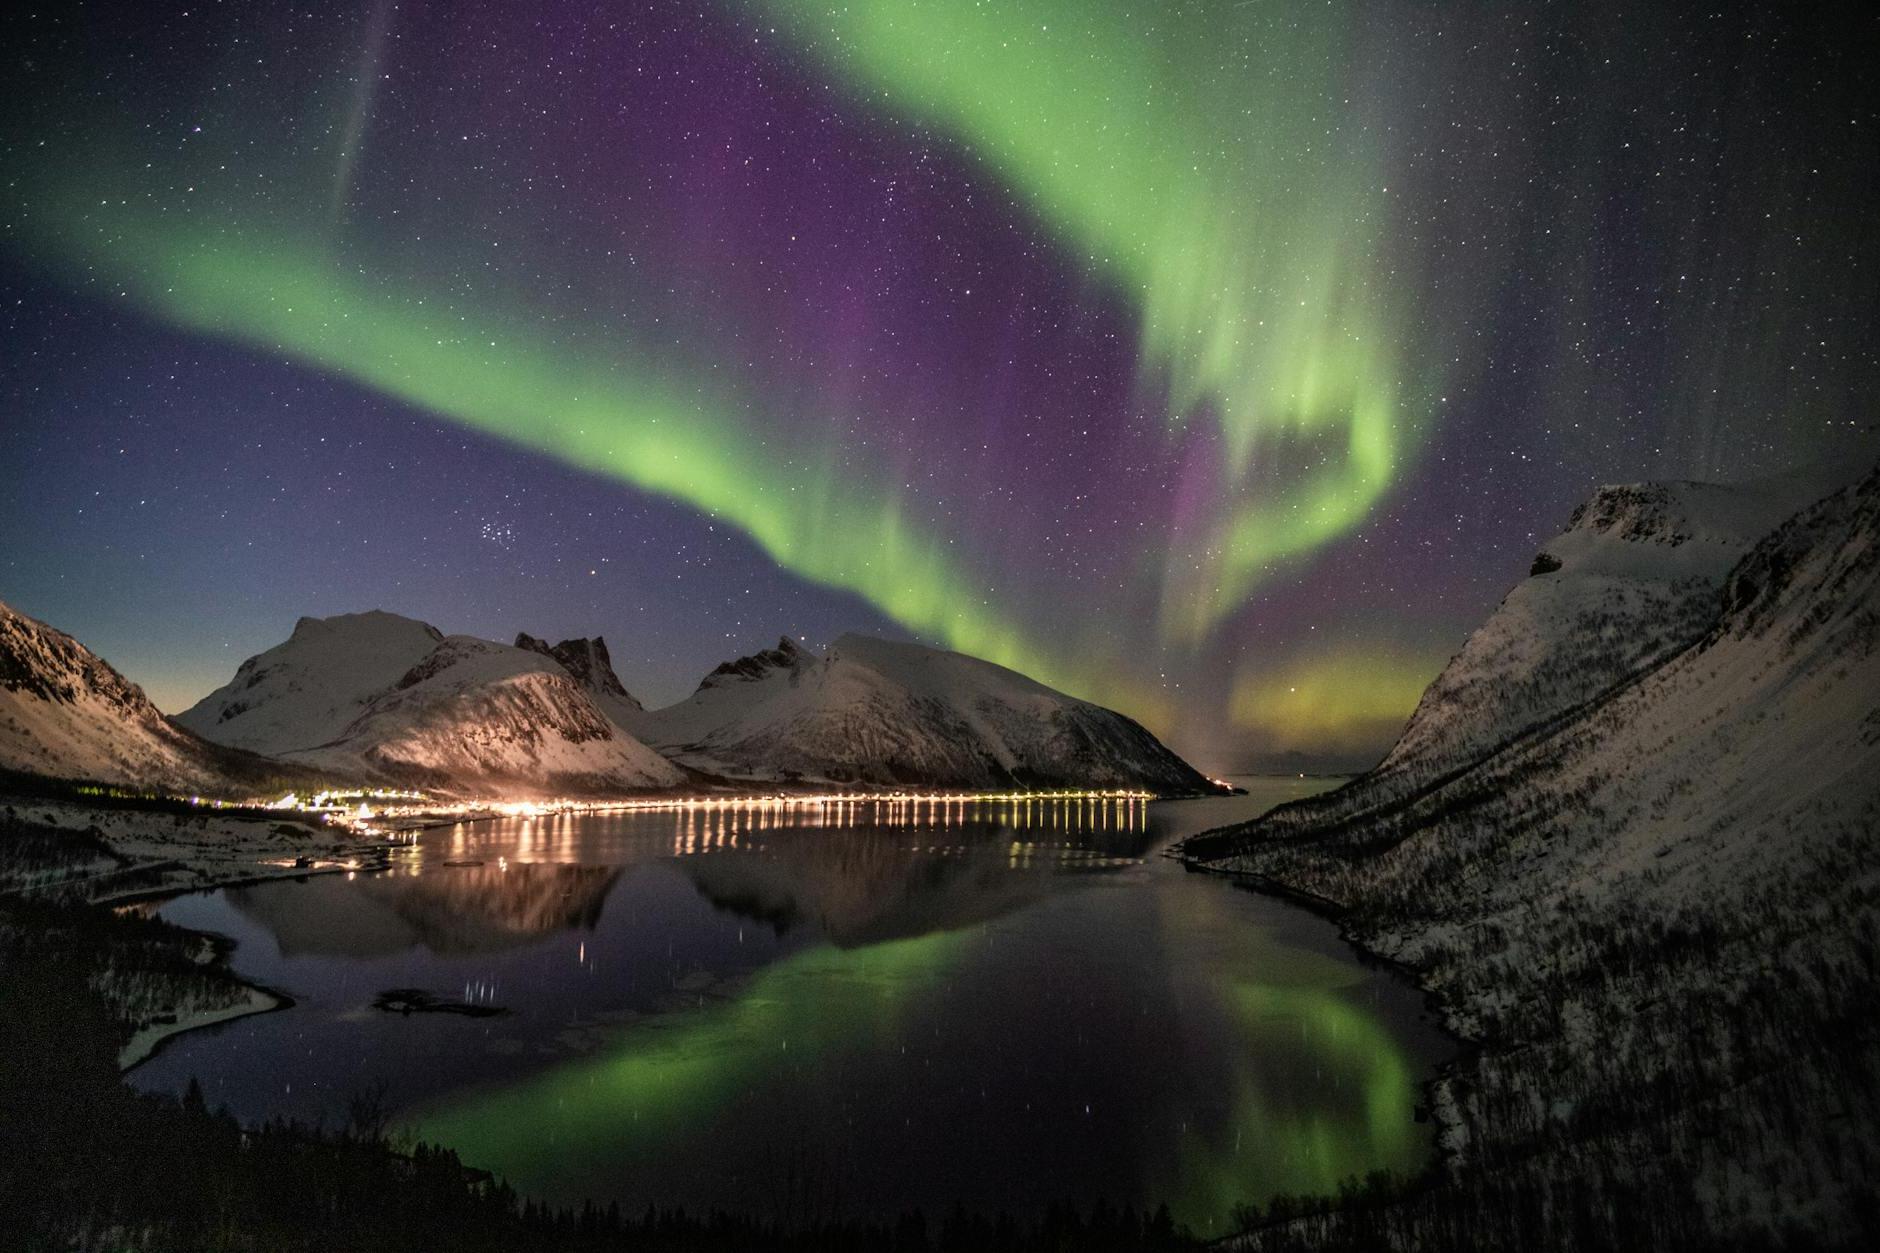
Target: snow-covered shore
(161, 853)
(144, 1043)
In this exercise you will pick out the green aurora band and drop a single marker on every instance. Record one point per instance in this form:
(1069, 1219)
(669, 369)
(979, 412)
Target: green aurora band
(615, 413)
(1239, 212)
(1242, 212)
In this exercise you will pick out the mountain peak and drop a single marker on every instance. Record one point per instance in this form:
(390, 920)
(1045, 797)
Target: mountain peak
(586, 659)
(369, 621)
(894, 712)
(306, 689)
(383, 697)
(787, 655)
(1634, 578)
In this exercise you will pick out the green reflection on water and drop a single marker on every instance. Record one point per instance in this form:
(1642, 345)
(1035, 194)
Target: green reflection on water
(1266, 1148)
(671, 1073)
(1290, 1084)
(1318, 1089)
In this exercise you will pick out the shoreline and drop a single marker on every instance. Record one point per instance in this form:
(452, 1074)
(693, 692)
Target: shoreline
(163, 854)
(259, 998)
(1450, 1131)
(149, 1041)
(215, 883)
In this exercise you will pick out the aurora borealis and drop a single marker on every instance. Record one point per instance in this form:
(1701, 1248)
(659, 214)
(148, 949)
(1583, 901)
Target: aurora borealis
(1222, 362)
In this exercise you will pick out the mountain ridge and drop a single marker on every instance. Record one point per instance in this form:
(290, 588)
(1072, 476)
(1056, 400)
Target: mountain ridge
(390, 699)
(879, 712)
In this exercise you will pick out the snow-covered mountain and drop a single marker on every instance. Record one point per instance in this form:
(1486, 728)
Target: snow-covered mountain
(1654, 906)
(1634, 578)
(1690, 772)
(66, 714)
(880, 712)
(306, 691)
(378, 696)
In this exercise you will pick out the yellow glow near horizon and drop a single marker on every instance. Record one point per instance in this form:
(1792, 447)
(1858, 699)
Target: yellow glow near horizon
(1339, 700)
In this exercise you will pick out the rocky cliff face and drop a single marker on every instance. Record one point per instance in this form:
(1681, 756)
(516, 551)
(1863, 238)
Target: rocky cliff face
(588, 663)
(788, 656)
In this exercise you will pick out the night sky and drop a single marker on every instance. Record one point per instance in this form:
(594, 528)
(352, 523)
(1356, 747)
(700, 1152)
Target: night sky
(1221, 362)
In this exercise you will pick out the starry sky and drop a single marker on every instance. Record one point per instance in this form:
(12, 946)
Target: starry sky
(1222, 362)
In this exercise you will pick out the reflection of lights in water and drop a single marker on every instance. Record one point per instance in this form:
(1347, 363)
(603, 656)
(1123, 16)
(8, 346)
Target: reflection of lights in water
(714, 825)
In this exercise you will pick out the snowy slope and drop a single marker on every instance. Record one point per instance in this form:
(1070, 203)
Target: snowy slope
(66, 714)
(729, 696)
(1657, 910)
(879, 712)
(477, 716)
(1691, 764)
(1635, 577)
(306, 691)
(1638, 569)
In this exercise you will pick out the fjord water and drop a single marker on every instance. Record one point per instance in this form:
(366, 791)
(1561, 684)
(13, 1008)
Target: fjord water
(853, 1010)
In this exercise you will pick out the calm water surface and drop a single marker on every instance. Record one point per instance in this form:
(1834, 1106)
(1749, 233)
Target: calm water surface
(996, 1005)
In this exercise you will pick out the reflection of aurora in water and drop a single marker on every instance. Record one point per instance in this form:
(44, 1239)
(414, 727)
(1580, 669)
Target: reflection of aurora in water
(1296, 1083)
(664, 1088)
(673, 1075)
(1370, 1126)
